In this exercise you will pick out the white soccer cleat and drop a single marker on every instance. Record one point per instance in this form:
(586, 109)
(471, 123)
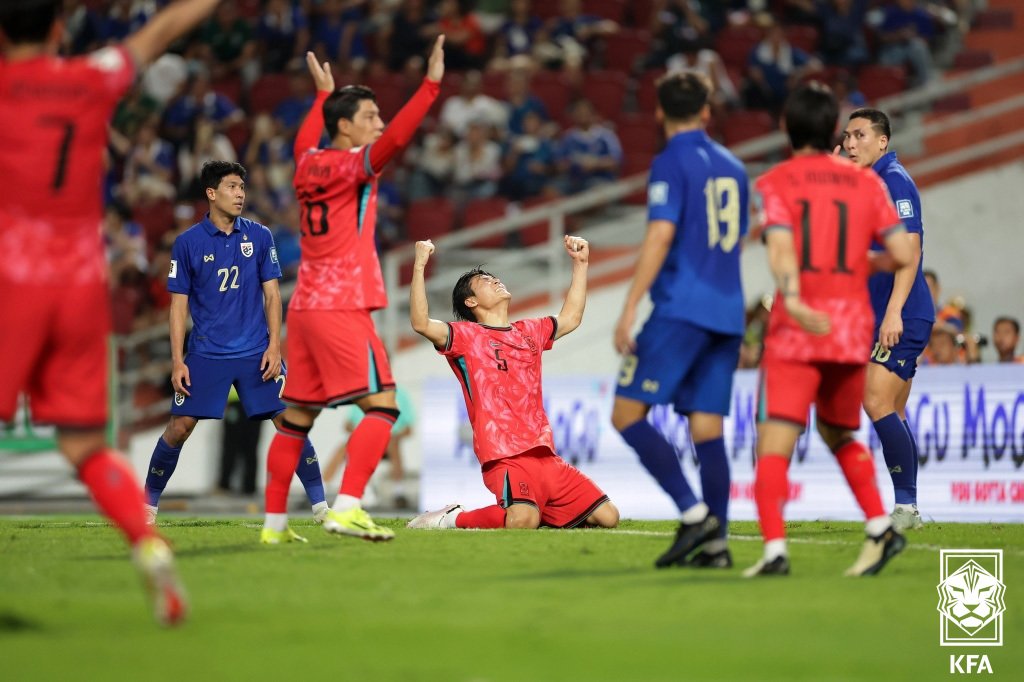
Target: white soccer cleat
(155, 562)
(320, 514)
(442, 518)
(151, 512)
(904, 518)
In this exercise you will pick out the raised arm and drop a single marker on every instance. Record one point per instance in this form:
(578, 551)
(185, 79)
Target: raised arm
(783, 264)
(169, 24)
(571, 314)
(653, 251)
(403, 126)
(312, 127)
(434, 331)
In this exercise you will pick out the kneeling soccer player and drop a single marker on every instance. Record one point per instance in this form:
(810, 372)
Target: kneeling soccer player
(498, 364)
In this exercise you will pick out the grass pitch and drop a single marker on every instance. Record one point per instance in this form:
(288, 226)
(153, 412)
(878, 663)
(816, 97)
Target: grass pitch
(482, 606)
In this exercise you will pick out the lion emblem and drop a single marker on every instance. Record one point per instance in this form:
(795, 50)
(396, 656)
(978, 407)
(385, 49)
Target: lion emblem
(971, 597)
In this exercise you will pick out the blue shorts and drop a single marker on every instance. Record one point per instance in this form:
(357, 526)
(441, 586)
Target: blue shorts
(901, 359)
(680, 363)
(212, 380)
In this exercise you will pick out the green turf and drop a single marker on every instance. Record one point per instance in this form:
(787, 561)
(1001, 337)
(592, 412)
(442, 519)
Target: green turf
(496, 605)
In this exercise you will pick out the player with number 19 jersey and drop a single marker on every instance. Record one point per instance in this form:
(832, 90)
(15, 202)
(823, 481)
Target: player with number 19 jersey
(54, 115)
(811, 196)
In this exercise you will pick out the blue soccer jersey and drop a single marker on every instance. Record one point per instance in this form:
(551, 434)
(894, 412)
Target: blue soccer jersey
(222, 275)
(905, 197)
(698, 185)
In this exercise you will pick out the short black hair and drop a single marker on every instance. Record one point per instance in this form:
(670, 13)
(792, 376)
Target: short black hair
(462, 291)
(29, 21)
(879, 121)
(1012, 321)
(683, 94)
(344, 103)
(810, 114)
(215, 171)
(931, 273)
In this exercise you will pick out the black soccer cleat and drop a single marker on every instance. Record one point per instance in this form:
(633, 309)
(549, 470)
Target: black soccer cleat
(689, 537)
(706, 559)
(777, 566)
(876, 553)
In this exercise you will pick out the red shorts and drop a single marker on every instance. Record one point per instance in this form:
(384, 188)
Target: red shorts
(334, 357)
(564, 496)
(54, 349)
(789, 388)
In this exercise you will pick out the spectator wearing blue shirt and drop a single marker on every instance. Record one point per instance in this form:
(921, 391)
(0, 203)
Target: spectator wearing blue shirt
(283, 35)
(336, 34)
(516, 37)
(199, 99)
(224, 271)
(588, 154)
(149, 168)
(904, 32)
(773, 67)
(842, 32)
(290, 111)
(528, 160)
(520, 101)
(572, 35)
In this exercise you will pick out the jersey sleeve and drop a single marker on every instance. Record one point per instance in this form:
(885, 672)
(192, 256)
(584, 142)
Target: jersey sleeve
(775, 213)
(113, 70)
(907, 201)
(179, 278)
(665, 191)
(459, 335)
(885, 218)
(269, 266)
(542, 329)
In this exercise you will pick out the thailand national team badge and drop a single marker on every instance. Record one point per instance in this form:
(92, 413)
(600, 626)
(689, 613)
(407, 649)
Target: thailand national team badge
(179, 399)
(246, 249)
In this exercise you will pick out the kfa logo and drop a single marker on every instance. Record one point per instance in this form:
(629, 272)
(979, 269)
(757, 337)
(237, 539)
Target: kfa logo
(246, 249)
(969, 664)
(971, 592)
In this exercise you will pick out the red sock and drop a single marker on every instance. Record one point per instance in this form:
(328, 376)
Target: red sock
(365, 447)
(116, 492)
(488, 517)
(282, 459)
(859, 468)
(771, 489)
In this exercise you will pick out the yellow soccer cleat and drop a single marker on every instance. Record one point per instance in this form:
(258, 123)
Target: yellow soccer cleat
(269, 536)
(357, 523)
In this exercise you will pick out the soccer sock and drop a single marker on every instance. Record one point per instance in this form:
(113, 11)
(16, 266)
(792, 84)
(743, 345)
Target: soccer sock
(282, 459)
(365, 447)
(916, 460)
(488, 517)
(771, 489)
(859, 469)
(714, 480)
(659, 458)
(898, 450)
(308, 472)
(116, 492)
(161, 465)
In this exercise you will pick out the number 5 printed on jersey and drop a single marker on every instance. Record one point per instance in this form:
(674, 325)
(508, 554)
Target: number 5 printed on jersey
(723, 205)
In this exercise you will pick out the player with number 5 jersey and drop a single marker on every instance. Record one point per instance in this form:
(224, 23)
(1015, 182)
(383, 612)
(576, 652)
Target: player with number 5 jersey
(689, 347)
(335, 354)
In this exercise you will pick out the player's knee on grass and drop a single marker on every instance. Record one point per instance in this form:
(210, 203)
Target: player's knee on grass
(626, 412)
(834, 436)
(179, 429)
(605, 516)
(522, 516)
(78, 445)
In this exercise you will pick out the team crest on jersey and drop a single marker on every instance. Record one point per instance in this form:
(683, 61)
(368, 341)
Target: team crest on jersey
(179, 399)
(246, 249)
(657, 193)
(905, 208)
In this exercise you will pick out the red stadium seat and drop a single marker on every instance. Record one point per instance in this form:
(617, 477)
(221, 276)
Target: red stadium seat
(638, 13)
(230, 88)
(494, 85)
(269, 91)
(647, 93)
(804, 37)
(124, 303)
(429, 218)
(480, 211)
(881, 81)
(552, 89)
(156, 218)
(238, 133)
(606, 90)
(535, 233)
(606, 9)
(745, 125)
(390, 99)
(633, 163)
(734, 44)
(639, 133)
(405, 271)
(622, 49)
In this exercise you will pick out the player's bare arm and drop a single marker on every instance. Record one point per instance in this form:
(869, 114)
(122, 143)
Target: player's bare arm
(653, 251)
(891, 330)
(435, 64)
(321, 73)
(571, 314)
(178, 320)
(174, 21)
(434, 331)
(783, 264)
(271, 362)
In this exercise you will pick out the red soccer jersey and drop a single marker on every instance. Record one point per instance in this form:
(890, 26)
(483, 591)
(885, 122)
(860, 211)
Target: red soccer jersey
(499, 369)
(339, 270)
(834, 209)
(54, 114)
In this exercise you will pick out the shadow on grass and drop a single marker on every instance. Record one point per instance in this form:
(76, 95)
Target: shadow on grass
(12, 622)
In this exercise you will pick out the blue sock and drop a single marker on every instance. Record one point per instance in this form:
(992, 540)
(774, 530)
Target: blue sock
(161, 466)
(714, 479)
(308, 472)
(898, 449)
(917, 461)
(659, 458)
